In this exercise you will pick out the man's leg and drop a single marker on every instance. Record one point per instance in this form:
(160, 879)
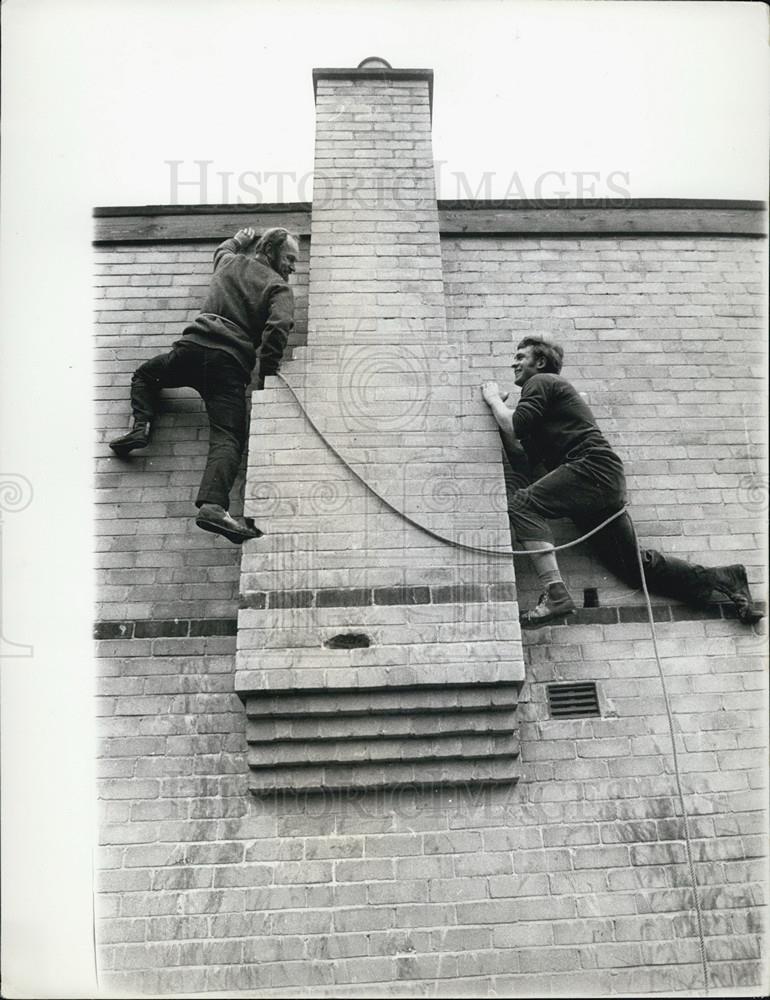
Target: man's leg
(529, 509)
(518, 476)
(576, 488)
(667, 575)
(590, 490)
(164, 371)
(224, 394)
(223, 388)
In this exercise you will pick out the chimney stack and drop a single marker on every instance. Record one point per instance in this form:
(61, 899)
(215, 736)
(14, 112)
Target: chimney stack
(370, 652)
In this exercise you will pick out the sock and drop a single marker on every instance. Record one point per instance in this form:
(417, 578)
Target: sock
(545, 564)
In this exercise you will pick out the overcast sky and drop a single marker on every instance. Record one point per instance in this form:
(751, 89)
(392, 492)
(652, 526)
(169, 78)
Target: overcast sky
(657, 99)
(660, 99)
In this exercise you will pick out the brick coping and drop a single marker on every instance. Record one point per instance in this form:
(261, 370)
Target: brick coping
(184, 628)
(171, 628)
(519, 218)
(451, 204)
(381, 73)
(348, 597)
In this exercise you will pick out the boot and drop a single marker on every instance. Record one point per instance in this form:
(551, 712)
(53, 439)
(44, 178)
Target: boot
(137, 437)
(732, 581)
(553, 605)
(212, 517)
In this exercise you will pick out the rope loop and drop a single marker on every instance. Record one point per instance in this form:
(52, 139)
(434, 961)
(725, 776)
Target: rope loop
(502, 553)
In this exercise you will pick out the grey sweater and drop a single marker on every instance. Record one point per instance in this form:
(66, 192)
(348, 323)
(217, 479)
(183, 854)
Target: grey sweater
(248, 306)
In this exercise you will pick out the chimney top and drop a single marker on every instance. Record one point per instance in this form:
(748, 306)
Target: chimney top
(375, 68)
(374, 62)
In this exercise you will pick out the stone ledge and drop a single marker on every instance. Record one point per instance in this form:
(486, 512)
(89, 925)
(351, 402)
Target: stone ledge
(344, 597)
(174, 628)
(374, 725)
(382, 701)
(621, 614)
(418, 774)
(354, 678)
(316, 738)
(286, 754)
(469, 217)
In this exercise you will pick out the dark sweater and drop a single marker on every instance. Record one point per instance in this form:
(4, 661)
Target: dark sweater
(554, 423)
(248, 305)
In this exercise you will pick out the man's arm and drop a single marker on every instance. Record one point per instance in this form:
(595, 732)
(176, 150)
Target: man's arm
(503, 415)
(239, 243)
(279, 326)
(531, 406)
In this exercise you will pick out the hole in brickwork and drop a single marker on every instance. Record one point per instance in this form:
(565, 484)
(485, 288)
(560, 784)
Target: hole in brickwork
(348, 640)
(573, 701)
(590, 597)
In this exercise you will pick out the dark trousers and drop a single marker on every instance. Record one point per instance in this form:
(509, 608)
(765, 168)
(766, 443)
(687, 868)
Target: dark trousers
(588, 490)
(221, 382)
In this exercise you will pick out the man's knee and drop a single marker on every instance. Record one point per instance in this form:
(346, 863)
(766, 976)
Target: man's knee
(227, 435)
(149, 372)
(518, 500)
(143, 374)
(526, 524)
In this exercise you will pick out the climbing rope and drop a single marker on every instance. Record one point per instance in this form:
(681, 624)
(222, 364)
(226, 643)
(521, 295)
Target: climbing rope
(528, 552)
(503, 553)
(675, 758)
(94, 936)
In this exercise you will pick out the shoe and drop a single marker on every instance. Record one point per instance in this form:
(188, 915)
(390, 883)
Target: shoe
(137, 437)
(212, 517)
(550, 608)
(732, 581)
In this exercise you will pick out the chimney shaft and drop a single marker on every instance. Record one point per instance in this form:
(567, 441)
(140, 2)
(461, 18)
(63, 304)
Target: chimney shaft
(346, 591)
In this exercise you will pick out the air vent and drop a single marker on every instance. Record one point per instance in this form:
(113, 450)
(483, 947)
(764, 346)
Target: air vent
(573, 701)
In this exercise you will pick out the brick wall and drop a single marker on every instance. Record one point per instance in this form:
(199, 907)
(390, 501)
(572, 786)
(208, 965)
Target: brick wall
(153, 563)
(573, 881)
(665, 337)
(683, 407)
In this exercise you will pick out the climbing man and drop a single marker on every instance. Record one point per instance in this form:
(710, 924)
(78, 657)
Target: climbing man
(249, 307)
(552, 426)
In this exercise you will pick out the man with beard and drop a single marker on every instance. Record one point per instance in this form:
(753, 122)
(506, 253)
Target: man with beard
(249, 308)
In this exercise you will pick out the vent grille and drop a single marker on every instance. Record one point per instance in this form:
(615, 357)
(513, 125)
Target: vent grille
(573, 701)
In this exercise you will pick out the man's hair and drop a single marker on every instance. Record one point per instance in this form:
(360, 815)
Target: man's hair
(543, 347)
(271, 241)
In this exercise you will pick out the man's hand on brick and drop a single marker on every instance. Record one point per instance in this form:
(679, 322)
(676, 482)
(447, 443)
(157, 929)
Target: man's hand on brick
(244, 237)
(491, 393)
